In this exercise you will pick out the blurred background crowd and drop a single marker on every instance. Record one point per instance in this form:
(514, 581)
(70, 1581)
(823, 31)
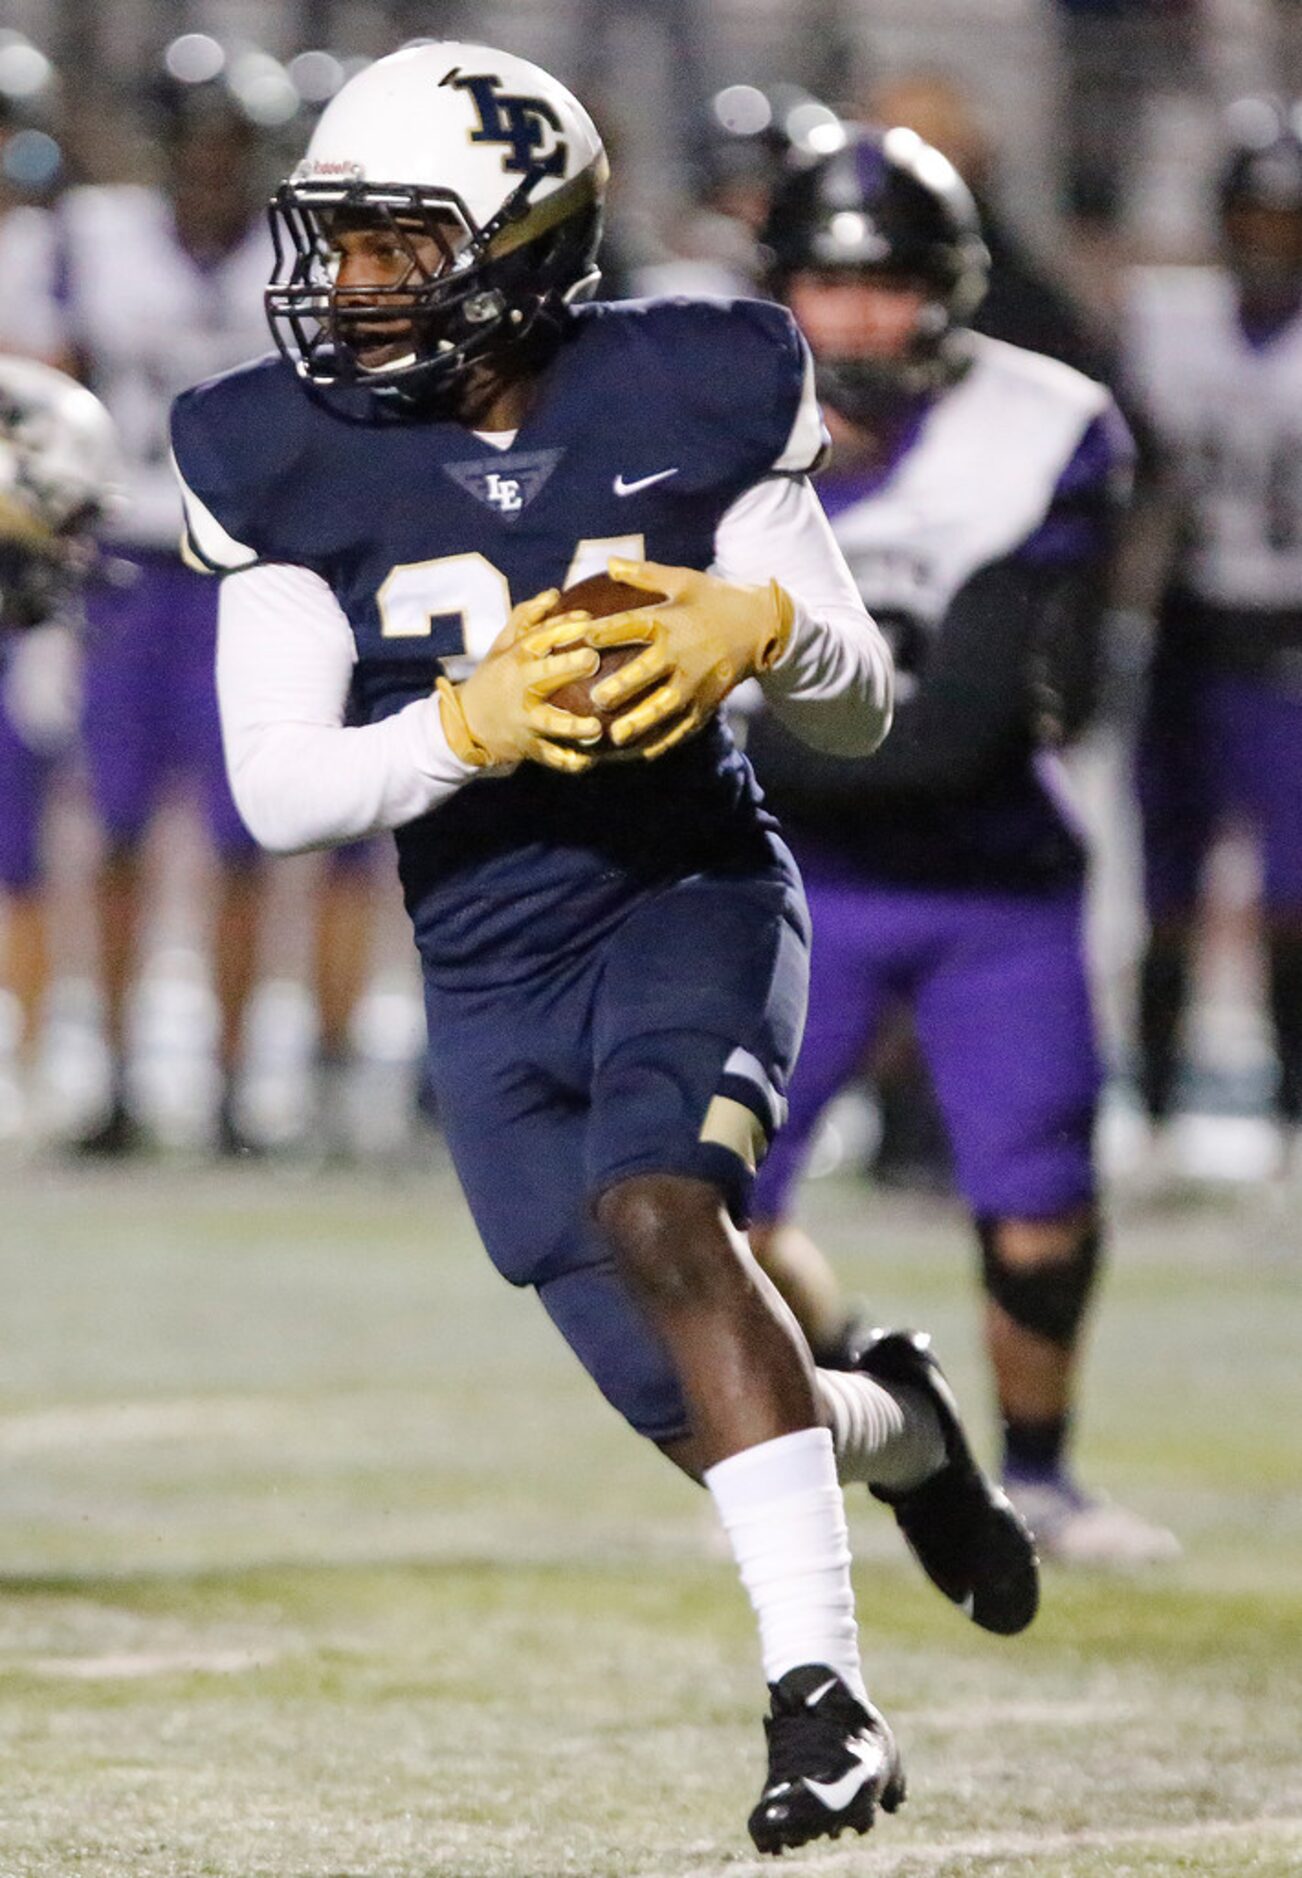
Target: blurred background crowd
(161, 983)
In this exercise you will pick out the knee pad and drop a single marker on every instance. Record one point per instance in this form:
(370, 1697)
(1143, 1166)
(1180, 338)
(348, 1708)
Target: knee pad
(1050, 1297)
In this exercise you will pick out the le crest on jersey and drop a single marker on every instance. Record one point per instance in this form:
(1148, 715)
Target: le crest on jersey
(507, 491)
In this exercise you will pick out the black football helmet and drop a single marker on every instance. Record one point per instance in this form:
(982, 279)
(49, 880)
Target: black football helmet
(886, 203)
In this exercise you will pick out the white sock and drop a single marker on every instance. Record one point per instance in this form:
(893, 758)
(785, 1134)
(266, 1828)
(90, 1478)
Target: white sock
(781, 1506)
(883, 1437)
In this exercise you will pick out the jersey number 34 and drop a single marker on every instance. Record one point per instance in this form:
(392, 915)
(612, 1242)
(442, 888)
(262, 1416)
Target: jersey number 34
(460, 602)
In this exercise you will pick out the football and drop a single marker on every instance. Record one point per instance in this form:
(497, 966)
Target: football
(599, 596)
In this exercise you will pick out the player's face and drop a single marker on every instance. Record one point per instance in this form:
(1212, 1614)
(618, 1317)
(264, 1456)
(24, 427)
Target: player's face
(1265, 247)
(857, 316)
(214, 186)
(379, 266)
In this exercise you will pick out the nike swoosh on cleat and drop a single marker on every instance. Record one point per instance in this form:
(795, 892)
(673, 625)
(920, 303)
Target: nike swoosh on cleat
(623, 488)
(836, 1795)
(812, 1701)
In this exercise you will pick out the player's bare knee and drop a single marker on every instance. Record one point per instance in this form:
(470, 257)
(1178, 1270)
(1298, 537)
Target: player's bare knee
(669, 1239)
(1025, 1243)
(1042, 1272)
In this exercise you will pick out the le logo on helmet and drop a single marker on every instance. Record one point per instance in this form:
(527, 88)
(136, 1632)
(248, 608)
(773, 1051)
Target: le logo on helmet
(521, 123)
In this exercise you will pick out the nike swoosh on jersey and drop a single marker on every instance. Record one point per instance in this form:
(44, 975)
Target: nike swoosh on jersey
(836, 1795)
(623, 488)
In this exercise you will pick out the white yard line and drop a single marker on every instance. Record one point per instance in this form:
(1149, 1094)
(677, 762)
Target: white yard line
(44, 1431)
(131, 1665)
(859, 1855)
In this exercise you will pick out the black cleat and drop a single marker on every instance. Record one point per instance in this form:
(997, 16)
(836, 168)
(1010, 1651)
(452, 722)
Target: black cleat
(832, 1762)
(963, 1531)
(230, 1143)
(115, 1138)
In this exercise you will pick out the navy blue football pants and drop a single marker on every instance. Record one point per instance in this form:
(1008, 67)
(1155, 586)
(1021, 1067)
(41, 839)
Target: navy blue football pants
(665, 1047)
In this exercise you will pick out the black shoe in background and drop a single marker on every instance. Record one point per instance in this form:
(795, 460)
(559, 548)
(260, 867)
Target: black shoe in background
(115, 1138)
(962, 1529)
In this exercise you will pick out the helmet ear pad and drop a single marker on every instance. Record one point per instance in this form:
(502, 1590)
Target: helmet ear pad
(516, 307)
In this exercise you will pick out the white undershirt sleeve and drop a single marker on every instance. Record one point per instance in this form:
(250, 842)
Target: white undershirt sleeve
(300, 777)
(832, 687)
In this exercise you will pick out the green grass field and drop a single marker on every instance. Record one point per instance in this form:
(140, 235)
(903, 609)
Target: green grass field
(321, 1559)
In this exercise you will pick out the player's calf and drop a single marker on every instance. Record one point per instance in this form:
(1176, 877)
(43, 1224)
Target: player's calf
(745, 1371)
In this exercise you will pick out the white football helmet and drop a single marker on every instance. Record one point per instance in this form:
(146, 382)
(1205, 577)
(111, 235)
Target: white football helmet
(481, 151)
(60, 472)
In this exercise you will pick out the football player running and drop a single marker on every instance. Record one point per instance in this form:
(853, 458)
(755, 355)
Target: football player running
(60, 475)
(974, 490)
(1215, 357)
(612, 934)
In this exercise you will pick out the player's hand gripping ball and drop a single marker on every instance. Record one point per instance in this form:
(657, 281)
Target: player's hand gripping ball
(622, 666)
(700, 637)
(503, 713)
(598, 598)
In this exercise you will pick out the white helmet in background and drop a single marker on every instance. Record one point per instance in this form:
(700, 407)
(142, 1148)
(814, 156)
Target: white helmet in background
(481, 151)
(60, 472)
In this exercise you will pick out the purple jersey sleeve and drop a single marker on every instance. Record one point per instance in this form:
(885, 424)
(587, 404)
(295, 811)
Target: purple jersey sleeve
(1092, 488)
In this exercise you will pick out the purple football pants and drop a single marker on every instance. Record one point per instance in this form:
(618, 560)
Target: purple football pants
(151, 708)
(24, 779)
(1214, 747)
(997, 986)
(151, 702)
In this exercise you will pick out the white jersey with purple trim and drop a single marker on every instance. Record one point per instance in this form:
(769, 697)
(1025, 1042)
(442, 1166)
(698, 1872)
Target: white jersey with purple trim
(1228, 415)
(148, 319)
(970, 487)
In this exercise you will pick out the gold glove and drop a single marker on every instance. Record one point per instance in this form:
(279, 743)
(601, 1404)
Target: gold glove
(500, 714)
(707, 637)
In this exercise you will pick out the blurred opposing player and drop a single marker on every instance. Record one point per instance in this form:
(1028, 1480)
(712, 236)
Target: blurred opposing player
(59, 475)
(1215, 354)
(974, 490)
(1022, 303)
(612, 935)
(141, 291)
(147, 289)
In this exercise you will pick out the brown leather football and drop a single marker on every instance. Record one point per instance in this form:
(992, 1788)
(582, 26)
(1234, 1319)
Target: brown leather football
(599, 596)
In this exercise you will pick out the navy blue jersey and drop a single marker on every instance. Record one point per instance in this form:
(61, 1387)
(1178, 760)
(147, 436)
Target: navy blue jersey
(651, 420)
